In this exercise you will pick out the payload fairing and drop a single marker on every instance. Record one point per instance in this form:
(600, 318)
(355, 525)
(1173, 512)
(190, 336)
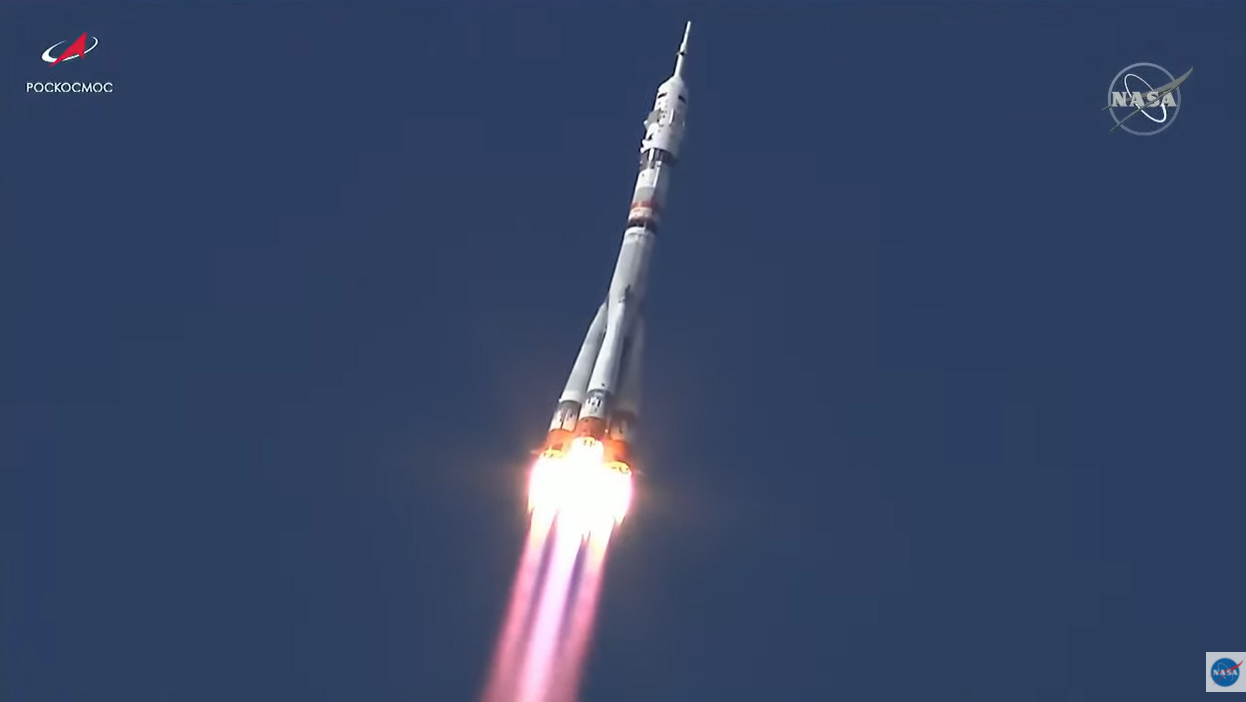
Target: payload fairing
(602, 397)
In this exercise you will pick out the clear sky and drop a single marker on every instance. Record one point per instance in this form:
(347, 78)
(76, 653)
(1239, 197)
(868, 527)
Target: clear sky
(943, 393)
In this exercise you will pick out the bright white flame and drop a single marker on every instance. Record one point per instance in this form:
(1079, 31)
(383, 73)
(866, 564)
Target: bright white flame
(587, 494)
(576, 499)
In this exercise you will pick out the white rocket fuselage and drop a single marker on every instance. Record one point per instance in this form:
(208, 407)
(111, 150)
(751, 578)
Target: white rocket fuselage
(602, 395)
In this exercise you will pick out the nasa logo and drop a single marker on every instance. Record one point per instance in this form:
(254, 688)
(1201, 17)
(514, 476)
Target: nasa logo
(1146, 89)
(78, 49)
(1225, 672)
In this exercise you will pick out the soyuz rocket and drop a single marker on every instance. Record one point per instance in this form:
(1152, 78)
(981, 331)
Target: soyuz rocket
(602, 397)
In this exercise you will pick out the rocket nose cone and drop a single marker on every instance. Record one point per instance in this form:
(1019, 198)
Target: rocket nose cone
(683, 51)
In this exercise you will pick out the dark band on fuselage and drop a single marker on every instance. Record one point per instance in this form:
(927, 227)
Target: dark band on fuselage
(652, 157)
(648, 223)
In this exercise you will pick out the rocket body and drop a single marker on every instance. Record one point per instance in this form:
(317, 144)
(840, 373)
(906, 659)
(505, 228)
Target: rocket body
(601, 399)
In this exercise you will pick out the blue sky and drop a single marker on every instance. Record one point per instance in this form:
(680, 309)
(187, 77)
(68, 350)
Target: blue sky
(942, 388)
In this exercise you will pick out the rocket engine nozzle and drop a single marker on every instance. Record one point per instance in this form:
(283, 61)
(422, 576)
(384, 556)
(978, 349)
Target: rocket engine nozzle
(593, 427)
(616, 453)
(583, 485)
(557, 441)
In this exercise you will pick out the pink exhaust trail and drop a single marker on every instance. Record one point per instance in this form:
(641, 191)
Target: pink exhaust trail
(574, 652)
(509, 653)
(542, 645)
(547, 630)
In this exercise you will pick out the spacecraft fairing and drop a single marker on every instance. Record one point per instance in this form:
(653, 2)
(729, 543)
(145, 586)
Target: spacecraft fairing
(602, 397)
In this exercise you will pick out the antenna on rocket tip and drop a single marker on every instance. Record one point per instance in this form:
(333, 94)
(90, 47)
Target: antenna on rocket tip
(683, 50)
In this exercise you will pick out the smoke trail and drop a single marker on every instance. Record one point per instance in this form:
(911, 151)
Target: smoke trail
(583, 614)
(507, 656)
(543, 640)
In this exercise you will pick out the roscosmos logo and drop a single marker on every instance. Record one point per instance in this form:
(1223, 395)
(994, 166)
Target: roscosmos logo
(64, 51)
(80, 48)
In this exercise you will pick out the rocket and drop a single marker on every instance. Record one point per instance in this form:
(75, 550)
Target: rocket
(601, 400)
